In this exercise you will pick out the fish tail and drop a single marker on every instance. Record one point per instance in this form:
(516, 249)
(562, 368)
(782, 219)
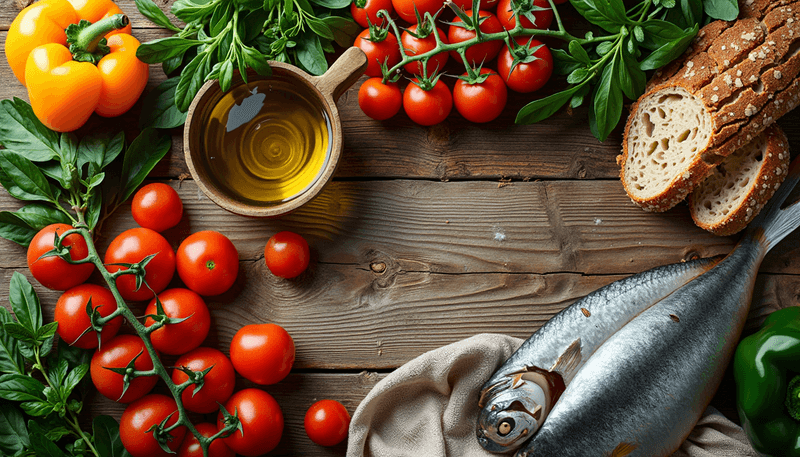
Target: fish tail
(774, 223)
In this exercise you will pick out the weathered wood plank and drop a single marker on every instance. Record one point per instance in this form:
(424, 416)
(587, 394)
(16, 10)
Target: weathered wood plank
(10, 8)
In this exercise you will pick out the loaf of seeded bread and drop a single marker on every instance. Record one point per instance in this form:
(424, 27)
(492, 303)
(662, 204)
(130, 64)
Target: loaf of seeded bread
(736, 79)
(736, 190)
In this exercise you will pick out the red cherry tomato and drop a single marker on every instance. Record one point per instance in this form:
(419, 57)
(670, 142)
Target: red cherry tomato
(526, 77)
(326, 422)
(480, 53)
(481, 102)
(363, 9)
(415, 46)
(378, 100)
(191, 447)
(118, 353)
(543, 17)
(262, 353)
(217, 384)
(73, 320)
(287, 254)
(208, 263)
(261, 419)
(486, 5)
(378, 52)
(427, 107)
(157, 206)
(133, 246)
(405, 8)
(54, 272)
(184, 336)
(139, 416)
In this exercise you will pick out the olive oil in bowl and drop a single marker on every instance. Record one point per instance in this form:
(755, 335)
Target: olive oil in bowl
(266, 142)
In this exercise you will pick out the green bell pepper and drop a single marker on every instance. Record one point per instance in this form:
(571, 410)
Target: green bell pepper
(766, 368)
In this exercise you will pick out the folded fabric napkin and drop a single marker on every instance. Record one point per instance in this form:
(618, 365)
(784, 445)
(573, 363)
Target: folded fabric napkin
(429, 407)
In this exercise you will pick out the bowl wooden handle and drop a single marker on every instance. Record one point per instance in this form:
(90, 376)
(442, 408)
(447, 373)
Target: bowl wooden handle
(342, 74)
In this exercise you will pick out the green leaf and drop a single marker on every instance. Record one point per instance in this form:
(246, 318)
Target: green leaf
(543, 108)
(13, 433)
(191, 79)
(253, 23)
(99, 150)
(632, 80)
(563, 63)
(22, 131)
(69, 147)
(579, 53)
(220, 18)
(608, 99)
(344, 30)
(106, 437)
(727, 10)
(659, 33)
(578, 75)
(52, 426)
(151, 11)
(143, 154)
(256, 61)
(95, 207)
(47, 331)
(74, 377)
(41, 445)
(29, 183)
(19, 387)
(188, 10)
(669, 51)
(608, 14)
(20, 333)
(158, 108)
(11, 361)
(225, 75)
(310, 55)
(25, 303)
(332, 4)
(15, 229)
(320, 28)
(162, 49)
(39, 216)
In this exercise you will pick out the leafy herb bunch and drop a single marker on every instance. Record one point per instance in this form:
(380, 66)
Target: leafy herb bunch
(76, 182)
(605, 64)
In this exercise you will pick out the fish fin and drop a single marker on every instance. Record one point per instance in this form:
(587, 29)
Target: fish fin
(569, 361)
(622, 450)
(773, 224)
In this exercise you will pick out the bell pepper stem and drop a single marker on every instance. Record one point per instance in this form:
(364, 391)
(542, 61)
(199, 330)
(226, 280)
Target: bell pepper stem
(793, 398)
(88, 38)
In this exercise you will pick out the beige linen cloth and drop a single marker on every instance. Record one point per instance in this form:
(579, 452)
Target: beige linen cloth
(428, 408)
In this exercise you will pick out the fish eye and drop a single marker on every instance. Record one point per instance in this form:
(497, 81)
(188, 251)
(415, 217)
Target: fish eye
(506, 426)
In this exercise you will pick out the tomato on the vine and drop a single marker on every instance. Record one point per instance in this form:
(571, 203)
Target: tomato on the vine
(384, 48)
(482, 101)
(405, 8)
(184, 336)
(157, 206)
(378, 100)
(73, 320)
(261, 419)
(140, 416)
(191, 447)
(54, 272)
(427, 107)
(262, 353)
(208, 262)
(132, 246)
(326, 422)
(540, 9)
(479, 53)
(485, 5)
(530, 76)
(287, 254)
(118, 353)
(363, 9)
(415, 46)
(218, 383)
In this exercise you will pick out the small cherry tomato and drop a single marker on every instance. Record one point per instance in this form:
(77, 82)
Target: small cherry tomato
(140, 416)
(326, 422)
(218, 383)
(378, 52)
(132, 246)
(261, 419)
(526, 77)
(191, 447)
(415, 46)
(287, 254)
(543, 17)
(262, 353)
(480, 53)
(184, 336)
(486, 5)
(405, 8)
(118, 353)
(481, 102)
(157, 206)
(378, 100)
(427, 107)
(208, 263)
(363, 9)
(73, 320)
(53, 272)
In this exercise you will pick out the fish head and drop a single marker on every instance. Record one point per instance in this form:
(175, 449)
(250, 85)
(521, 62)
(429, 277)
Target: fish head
(512, 411)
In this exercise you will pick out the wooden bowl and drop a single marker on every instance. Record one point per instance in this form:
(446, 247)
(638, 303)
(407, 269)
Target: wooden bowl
(326, 88)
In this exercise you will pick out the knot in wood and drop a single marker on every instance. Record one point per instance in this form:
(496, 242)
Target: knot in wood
(378, 267)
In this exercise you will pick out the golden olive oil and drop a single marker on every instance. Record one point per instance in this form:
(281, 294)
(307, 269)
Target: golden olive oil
(267, 141)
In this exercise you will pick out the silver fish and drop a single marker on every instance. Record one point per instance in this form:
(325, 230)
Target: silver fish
(645, 387)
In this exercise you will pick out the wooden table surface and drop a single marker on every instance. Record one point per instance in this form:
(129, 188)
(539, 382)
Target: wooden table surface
(427, 235)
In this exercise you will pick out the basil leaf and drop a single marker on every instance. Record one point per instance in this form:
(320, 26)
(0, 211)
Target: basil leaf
(225, 75)
(17, 230)
(310, 55)
(668, 52)
(332, 4)
(256, 61)
(41, 445)
(158, 107)
(13, 432)
(632, 80)
(25, 302)
(69, 148)
(579, 53)
(19, 387)
(344, 30)
(74, 377)
(162, 49)
(608, 14)
(39, 216)
(319, 27)
(93, 210)
(658, 33)
(608, 99)
(151, 11)
(543, 108)
(220, 18)
(28, 181)
(191, 79)
(253, 24)
(143, 154)
(578, 75)
(563, 63)
(11, 361)
(727, 10)
(170, 65)
(52, 427)
(188, 10)
(22, 131)
(106, 437)
(22, 334)
(99, 150)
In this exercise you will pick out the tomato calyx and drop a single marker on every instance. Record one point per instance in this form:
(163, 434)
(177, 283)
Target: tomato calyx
(87, 41)
(161, 433)
(475, 75)
(60, 250)
(521, 53)
(195, 377)
(425, 25)
(129, 373)
(360, 4)
(427, 83)
(525, 8)
(161, 319)
(137, 269)
(231, 423)
(387, 77)
(377, 33)
(469, 21)
(96, 322)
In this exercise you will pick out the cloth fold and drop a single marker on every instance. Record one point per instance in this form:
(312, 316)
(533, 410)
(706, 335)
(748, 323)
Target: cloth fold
(429, 407)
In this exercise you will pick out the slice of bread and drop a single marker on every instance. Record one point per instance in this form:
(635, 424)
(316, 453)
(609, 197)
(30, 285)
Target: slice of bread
(742, 184)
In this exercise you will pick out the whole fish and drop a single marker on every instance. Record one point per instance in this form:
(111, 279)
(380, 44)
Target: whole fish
(643, 389)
